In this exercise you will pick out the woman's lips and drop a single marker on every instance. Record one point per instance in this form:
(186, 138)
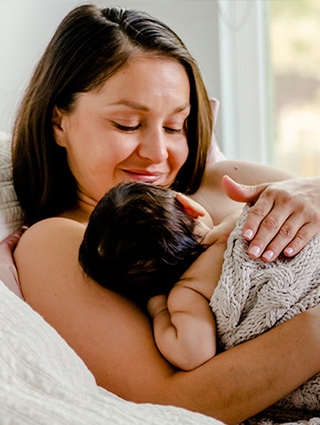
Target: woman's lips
(144, 176)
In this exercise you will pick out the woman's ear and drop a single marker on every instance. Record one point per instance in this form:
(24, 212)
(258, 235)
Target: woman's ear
(58, 132)
(190, 206)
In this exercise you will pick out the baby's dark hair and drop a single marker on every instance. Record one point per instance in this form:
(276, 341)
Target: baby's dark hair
(139, 241)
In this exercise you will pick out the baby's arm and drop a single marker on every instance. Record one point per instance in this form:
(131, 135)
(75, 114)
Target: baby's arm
(184, 326)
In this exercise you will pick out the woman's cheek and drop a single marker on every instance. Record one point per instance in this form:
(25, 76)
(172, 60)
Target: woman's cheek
(182, 153)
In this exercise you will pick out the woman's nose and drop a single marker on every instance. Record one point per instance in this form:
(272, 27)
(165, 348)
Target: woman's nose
(153, 147)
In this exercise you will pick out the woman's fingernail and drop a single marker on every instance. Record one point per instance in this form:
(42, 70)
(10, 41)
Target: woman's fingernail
(248, 234)
(268, 255)
(288, 251)
(255, 251)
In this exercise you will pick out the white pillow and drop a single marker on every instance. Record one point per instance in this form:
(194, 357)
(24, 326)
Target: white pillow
(10, 210)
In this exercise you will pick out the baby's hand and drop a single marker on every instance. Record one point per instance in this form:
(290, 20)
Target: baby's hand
(221, 232)
(156, 305)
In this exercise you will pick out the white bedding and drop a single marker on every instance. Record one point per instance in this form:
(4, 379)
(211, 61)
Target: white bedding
(43, 381)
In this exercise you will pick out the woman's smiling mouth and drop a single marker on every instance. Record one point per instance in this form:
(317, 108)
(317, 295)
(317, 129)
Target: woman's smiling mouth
(144, 176)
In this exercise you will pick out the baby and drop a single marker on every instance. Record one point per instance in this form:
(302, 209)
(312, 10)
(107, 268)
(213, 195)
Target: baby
(140, 240)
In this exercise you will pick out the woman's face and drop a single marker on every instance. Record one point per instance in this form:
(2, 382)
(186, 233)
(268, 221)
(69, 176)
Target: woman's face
(130, 129)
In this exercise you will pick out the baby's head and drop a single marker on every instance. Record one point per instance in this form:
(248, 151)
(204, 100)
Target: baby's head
(140, 239)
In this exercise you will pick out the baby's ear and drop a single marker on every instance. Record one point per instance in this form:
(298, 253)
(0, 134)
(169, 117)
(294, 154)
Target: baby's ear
(190, 206)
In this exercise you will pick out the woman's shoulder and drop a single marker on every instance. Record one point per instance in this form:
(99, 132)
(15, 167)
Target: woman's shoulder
(47, 251)
(54, 224)
(243, 172)
(211, 195)
(49, 233)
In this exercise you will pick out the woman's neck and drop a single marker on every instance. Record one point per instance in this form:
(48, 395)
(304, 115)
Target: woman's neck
(80, 212)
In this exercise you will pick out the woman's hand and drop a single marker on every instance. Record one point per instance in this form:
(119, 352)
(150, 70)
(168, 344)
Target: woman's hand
(284, 217)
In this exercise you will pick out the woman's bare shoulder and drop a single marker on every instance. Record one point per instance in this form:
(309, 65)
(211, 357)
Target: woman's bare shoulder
(211, 195)
(46, 254)
(243, 172)
(51, 244)
(57, 228)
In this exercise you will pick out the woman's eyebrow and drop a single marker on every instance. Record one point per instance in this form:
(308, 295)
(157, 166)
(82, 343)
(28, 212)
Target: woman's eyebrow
(131, 104)
(183, 108)
(139, 107)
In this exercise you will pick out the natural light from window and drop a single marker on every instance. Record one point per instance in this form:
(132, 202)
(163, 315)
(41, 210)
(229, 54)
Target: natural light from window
(295, 58)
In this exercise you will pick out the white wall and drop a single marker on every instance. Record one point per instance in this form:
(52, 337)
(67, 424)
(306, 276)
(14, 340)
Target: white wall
(26, 26)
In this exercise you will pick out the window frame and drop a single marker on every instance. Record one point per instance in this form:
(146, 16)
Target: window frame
(246, 81)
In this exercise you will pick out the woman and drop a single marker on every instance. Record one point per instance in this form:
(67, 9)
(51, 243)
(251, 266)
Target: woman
(117, 97)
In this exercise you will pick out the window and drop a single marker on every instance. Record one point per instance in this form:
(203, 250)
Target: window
(244, 79)
(295, 64)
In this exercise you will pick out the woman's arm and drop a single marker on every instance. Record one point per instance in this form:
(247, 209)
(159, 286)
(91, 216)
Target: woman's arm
(114, 338)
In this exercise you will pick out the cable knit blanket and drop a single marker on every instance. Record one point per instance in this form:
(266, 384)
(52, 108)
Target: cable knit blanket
(253, 296)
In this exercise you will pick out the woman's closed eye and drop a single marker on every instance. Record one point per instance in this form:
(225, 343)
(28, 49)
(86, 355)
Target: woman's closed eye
(176, 127)
(125, 127)
(174, 130)
(130, 128)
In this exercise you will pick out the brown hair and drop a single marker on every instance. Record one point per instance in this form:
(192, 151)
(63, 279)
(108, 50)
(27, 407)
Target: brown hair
(89, 46)
(139, 241)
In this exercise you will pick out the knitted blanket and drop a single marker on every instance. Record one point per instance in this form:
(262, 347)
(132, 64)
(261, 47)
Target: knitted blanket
(253, 296)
